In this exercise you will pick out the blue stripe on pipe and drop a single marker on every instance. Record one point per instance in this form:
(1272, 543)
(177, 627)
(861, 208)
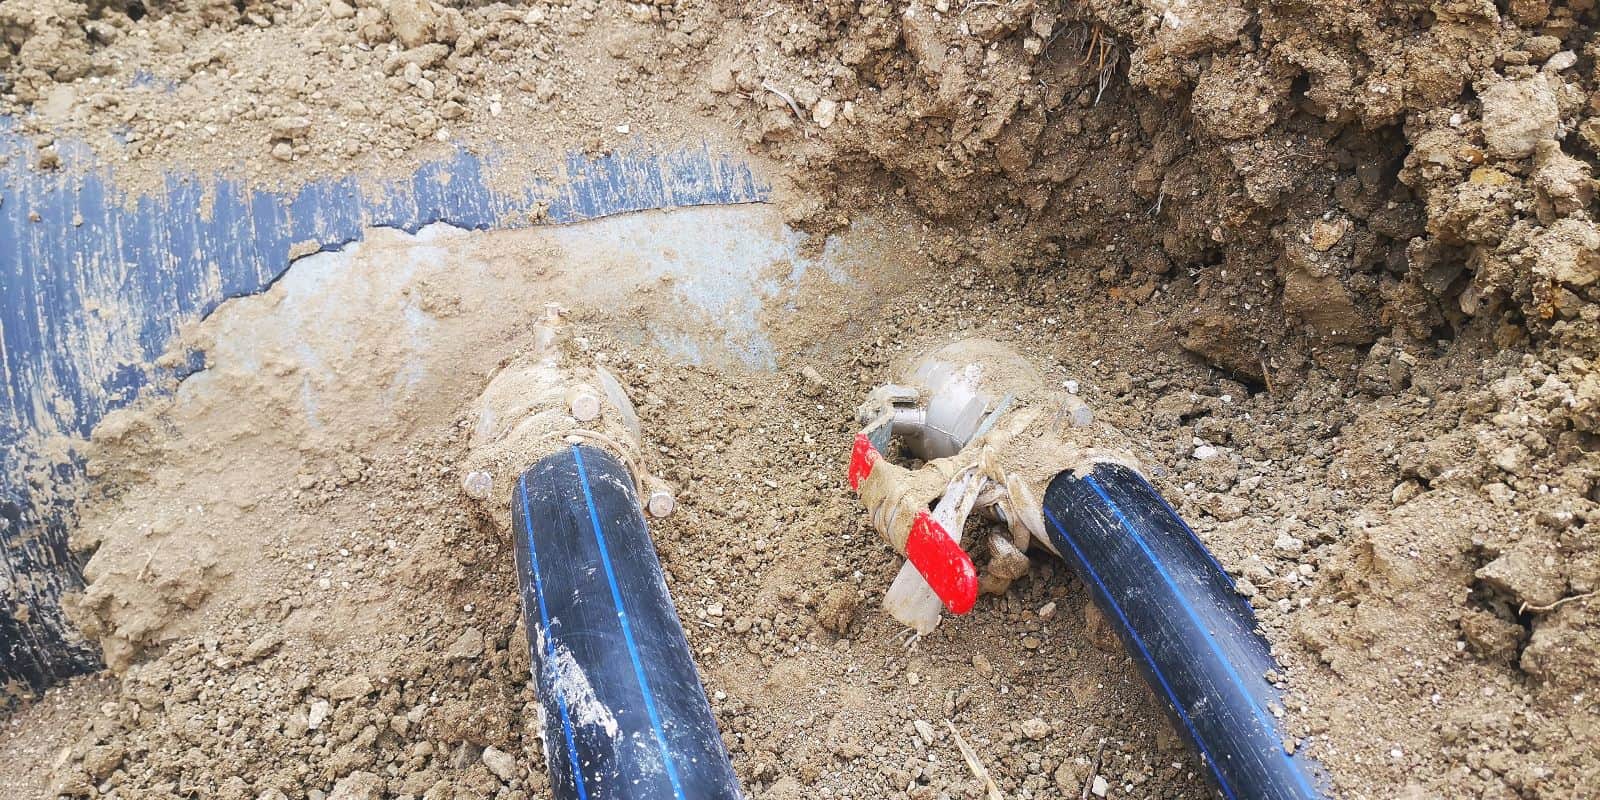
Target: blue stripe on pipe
(549, 639)
(627, 630)
(1193, 537)
(1172, 696)
(1227, 665)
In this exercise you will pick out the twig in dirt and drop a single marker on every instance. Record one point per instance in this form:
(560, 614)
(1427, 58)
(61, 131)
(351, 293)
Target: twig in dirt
(1088, 783)
(973, 763)
(1557, 604)
(1094, 47)
(908, 639)
(1107, 72)
(149, 558)
(1161, 197)
(1266, 374)
(793, 106)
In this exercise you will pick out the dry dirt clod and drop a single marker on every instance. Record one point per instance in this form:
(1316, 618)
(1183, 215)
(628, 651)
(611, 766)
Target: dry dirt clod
(350, 688)
(358, 785)
(1518, 115)
(291, 127)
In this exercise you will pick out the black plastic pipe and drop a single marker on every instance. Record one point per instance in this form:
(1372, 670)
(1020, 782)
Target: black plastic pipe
(625, 716)
(1192, 635)
(38, 647)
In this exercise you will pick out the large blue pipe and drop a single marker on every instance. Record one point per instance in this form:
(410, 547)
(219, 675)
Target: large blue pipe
(625, 716)
(1191, 634)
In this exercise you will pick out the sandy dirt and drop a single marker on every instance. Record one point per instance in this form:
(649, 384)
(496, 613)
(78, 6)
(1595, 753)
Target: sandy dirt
(1333, 267)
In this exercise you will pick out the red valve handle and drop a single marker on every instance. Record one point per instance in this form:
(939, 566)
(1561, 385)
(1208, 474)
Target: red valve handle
(935, 554)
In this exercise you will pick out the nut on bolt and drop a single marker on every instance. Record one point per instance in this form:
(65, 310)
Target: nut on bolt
(660, 501)
(584, 403)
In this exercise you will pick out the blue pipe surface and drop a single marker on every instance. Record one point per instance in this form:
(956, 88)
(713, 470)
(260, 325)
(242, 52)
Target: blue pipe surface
(1191, 634)
(625, 715)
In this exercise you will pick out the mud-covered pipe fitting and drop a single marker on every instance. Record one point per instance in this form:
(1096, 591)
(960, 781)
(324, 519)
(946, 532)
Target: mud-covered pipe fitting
(542, 402)
(1192, 635)
(624, 713)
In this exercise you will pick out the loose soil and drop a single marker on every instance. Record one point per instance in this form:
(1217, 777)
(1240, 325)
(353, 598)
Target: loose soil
(1333, 266)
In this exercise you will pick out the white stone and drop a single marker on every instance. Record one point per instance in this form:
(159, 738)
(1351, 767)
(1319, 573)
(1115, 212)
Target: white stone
(824, 112)
(500, 763)
(318, 714)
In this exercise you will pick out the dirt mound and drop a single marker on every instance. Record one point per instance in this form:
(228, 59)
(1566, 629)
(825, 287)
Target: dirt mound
(1364, 169)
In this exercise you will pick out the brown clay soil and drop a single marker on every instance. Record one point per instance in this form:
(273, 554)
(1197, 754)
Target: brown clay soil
(1333, 265)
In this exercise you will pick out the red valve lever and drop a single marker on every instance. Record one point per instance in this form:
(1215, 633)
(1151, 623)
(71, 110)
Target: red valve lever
(862, 456)
(943, 564)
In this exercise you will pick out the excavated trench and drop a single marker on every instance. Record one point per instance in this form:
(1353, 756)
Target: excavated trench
(1332, 267)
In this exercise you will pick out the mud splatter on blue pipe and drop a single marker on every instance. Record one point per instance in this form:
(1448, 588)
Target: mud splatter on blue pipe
(95, 283)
